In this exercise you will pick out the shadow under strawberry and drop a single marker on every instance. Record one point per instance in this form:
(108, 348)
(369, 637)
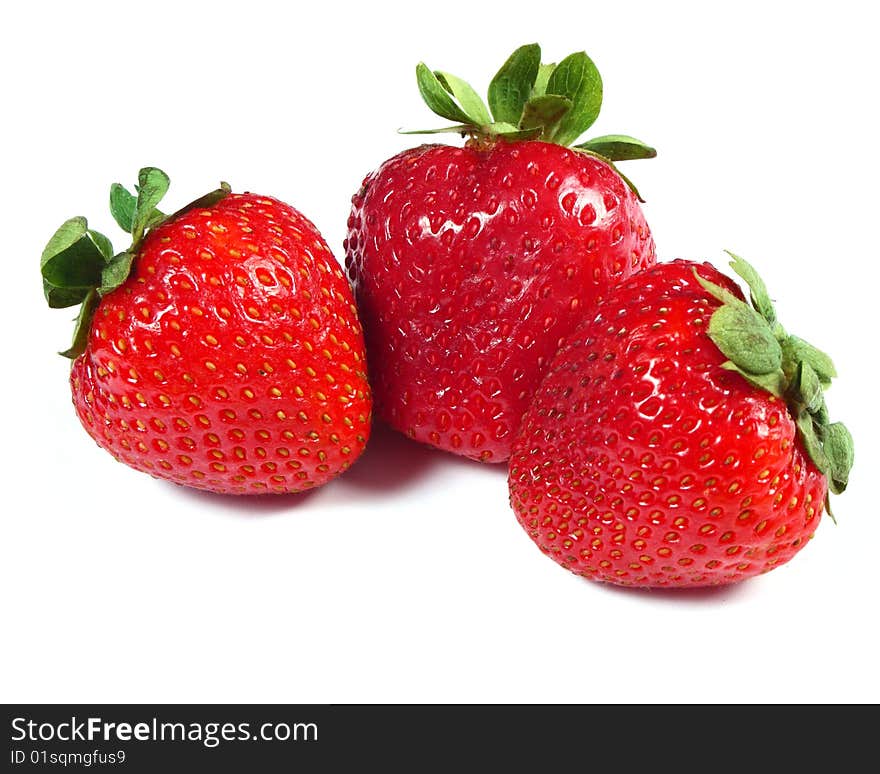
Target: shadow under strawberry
(392, 463)
(253, 506)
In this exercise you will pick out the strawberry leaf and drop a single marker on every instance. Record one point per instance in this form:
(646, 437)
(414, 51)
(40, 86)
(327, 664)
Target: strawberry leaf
(721, 294)
(744, 337)
(839, 450)
(455, 129)
(544, 111)
(208, 200)
(83, 324)
(464, 93)
(812, 444)
(757, 289)
(618, 147)
(61, 298)
(509, 132)
(807, 388)
(512, 84)
(773, 382)
(71, 263)
(102, 243)
(577, 78)
(437, 98)
(494, 131)
(797, 350)
(539, 88)
(65, 237)
(152, 186)
(122, 206)
(115, 272)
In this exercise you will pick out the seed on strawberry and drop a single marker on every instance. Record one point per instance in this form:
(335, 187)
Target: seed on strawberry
(470, 264)
(680, 436)
(222, 350)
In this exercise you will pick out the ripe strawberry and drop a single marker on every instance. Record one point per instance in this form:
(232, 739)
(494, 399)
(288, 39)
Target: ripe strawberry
(680, 437)
(471, 263)
(222, 350)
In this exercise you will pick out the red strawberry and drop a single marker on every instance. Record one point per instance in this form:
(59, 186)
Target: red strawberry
(680, 437)
(471, 263)
(222, 350)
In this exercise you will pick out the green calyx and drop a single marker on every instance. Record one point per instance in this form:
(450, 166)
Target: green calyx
(759, 349)
(528, 100)
(79, 265)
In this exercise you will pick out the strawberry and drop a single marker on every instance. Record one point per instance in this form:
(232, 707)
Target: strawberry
(222, 350)
(471, 263)
(680, 437)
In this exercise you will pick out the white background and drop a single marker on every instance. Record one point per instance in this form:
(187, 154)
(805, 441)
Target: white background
(408, 579)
